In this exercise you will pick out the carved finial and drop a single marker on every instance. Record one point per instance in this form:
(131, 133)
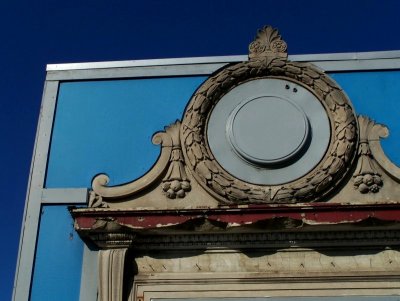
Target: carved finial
(267, 44)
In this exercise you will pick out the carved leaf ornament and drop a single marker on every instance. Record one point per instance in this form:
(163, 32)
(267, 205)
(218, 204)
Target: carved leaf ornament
(268, 59)
(366, 176)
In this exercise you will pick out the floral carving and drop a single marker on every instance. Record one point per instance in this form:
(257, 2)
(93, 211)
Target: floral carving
(366, 177)
(176, 182)
(268, 42)
(311, 187)
(278, 46)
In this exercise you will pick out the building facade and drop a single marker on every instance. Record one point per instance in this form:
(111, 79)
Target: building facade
(242, 177)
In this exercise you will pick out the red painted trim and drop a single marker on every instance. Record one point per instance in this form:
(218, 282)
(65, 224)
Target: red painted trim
(317, 213)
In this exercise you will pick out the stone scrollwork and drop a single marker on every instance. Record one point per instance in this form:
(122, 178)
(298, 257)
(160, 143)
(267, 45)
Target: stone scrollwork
(372, 162)
(268, 59)
(375, 133)
(170, 163)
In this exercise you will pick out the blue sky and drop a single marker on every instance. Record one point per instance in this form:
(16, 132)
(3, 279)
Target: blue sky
(36, 33)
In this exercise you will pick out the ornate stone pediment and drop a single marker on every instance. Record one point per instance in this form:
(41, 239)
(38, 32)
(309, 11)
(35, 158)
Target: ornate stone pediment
(263, 131)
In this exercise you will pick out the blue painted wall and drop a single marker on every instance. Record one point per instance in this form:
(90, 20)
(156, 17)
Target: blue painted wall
(107, 126)
(58, 263)
(377, 95)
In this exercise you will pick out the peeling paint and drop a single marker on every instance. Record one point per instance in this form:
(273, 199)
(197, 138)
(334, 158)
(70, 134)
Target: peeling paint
(313, 222)
(230, 225)
(315, 214)
(165, 225)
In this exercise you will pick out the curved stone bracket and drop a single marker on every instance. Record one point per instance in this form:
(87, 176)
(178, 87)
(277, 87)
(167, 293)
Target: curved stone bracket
(175, 182)
(375, 133)
(371, 158)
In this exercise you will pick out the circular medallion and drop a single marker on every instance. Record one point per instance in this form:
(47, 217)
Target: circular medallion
(268, 131)
(284, 126)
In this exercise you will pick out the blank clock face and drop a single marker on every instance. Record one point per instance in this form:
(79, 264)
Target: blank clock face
(268, 131)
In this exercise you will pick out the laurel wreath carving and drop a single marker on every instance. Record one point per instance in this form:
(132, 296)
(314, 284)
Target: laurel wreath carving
(311, 187)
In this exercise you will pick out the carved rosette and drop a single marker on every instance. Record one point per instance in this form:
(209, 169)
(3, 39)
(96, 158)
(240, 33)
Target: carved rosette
(268, 59)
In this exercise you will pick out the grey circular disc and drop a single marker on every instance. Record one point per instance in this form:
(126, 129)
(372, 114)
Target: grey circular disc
(268, 131)
(273, 146)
